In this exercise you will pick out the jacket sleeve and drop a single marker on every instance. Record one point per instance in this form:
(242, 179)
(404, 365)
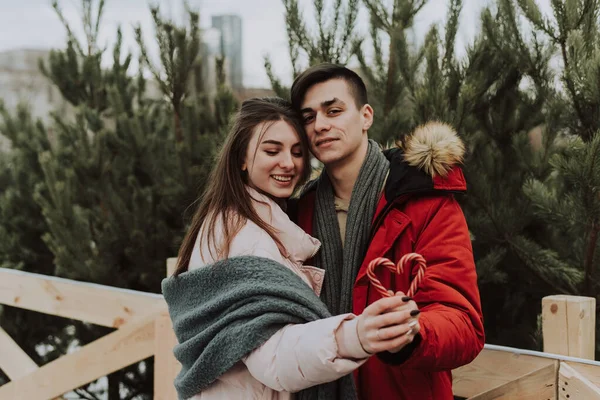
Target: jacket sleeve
(304, 355)
(451, 320)
(300, 356)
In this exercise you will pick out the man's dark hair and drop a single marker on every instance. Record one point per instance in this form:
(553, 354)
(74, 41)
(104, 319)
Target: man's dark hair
(324, 72)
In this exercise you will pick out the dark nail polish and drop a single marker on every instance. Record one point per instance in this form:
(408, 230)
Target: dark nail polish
(414, 313)
(406, 299)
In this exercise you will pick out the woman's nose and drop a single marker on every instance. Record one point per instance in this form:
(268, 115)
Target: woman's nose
(286, 161)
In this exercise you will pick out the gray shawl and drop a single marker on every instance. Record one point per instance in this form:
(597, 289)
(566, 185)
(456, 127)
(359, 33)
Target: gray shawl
(222, 312)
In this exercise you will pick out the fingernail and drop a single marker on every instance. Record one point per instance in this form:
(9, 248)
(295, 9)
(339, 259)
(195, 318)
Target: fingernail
(406, 299)
(410, 325)
(414, 313)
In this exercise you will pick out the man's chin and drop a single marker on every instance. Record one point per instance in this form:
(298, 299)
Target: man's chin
(328, 159)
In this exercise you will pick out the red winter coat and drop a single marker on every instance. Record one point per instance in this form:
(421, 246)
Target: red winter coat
(417, 213)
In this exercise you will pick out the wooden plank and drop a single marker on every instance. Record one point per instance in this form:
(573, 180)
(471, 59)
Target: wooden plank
(166, 366)
(588, 371)
(493, 368)
(573, 386)
(569, 325)
(98, 304)
(127, 345)
(13, 360)
(536, 385)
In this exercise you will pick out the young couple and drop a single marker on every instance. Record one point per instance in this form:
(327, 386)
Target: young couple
(271, 299)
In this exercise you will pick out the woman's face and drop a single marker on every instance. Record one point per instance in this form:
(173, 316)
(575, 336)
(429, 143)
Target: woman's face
(274, 163)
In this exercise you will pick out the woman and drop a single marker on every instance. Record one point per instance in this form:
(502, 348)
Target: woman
(265, 157)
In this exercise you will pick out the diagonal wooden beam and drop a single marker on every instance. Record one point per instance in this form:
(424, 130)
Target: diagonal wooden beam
(573, 385)
(127, 345)
(13, 360)
(536, 385)
(493, 368)
(98, 304)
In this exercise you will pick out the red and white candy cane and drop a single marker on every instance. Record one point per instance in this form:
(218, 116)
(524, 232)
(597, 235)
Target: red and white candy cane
(405, 261)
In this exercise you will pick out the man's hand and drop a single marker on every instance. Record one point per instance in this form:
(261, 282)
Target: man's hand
(388, 324)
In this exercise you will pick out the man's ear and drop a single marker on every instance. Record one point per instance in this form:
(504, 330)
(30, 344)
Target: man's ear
(367, 115)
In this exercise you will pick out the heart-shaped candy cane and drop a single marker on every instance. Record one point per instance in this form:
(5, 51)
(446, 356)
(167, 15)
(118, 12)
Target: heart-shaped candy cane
(405, 261)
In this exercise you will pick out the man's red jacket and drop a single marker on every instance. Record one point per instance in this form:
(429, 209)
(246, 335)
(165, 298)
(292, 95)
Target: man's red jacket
(418, 213)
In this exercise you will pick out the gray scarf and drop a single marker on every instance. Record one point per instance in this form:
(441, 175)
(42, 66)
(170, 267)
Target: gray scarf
(341, 263)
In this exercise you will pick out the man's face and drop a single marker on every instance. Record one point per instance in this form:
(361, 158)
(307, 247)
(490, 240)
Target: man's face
(336, 128)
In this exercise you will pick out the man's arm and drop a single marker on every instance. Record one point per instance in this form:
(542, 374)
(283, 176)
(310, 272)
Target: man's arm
(451, 320)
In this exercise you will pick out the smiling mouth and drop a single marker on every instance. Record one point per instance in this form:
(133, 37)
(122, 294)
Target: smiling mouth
(325, 141)
(282, 178)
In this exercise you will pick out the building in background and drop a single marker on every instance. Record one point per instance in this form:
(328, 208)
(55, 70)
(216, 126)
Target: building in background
(22, 82)
(230, 27)
(210, 50)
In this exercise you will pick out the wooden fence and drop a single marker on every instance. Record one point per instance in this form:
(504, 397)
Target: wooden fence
(565, 370)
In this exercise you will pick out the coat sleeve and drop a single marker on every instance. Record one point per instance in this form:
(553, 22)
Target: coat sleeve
(304, 355)
(451, 320)
(300, 356)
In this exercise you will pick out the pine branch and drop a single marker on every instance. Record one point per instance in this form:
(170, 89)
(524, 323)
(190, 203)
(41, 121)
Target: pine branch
(70, 34)
(349, 24)
(379, 14)
(555, 271)
(321, 23)
(454, 10)
(533, 14)
(276, 84)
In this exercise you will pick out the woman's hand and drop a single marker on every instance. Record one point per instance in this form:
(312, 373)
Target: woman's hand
(388, 324)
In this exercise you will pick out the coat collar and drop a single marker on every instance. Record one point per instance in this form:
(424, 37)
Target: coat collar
(299, 245)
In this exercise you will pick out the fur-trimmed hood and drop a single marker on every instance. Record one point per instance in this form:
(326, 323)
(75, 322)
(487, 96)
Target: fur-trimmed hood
(434, 148)
(426, 161)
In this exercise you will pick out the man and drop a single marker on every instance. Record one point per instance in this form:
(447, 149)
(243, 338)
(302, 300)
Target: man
(368, 204)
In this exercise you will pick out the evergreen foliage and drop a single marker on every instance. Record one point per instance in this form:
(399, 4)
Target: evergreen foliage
(532, 163)
(105, 199)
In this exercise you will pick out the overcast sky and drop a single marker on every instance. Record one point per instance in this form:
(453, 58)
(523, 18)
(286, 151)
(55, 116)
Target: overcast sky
(33, 24)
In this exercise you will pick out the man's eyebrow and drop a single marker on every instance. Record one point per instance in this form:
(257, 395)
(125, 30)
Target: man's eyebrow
(324, 104)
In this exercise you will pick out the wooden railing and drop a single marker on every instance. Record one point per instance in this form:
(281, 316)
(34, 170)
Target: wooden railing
(143, 330)
(565, 370)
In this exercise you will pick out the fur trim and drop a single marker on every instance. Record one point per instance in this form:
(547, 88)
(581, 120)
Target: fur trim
(434, 147)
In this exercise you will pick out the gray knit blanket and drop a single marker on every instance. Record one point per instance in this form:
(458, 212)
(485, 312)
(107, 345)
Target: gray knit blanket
(222, 312)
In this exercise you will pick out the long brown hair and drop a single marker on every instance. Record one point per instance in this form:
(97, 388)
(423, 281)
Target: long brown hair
(225, 194)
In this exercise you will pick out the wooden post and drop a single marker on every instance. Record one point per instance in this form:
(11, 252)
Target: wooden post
(166, 366)
(569, 325)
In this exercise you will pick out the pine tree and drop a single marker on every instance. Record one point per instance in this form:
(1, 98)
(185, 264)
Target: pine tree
(501, 98)
(22, 224)
(569, 202)
(334, 41)
(115, 182)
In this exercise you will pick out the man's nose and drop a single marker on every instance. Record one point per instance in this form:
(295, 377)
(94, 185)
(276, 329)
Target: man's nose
(322, 123)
